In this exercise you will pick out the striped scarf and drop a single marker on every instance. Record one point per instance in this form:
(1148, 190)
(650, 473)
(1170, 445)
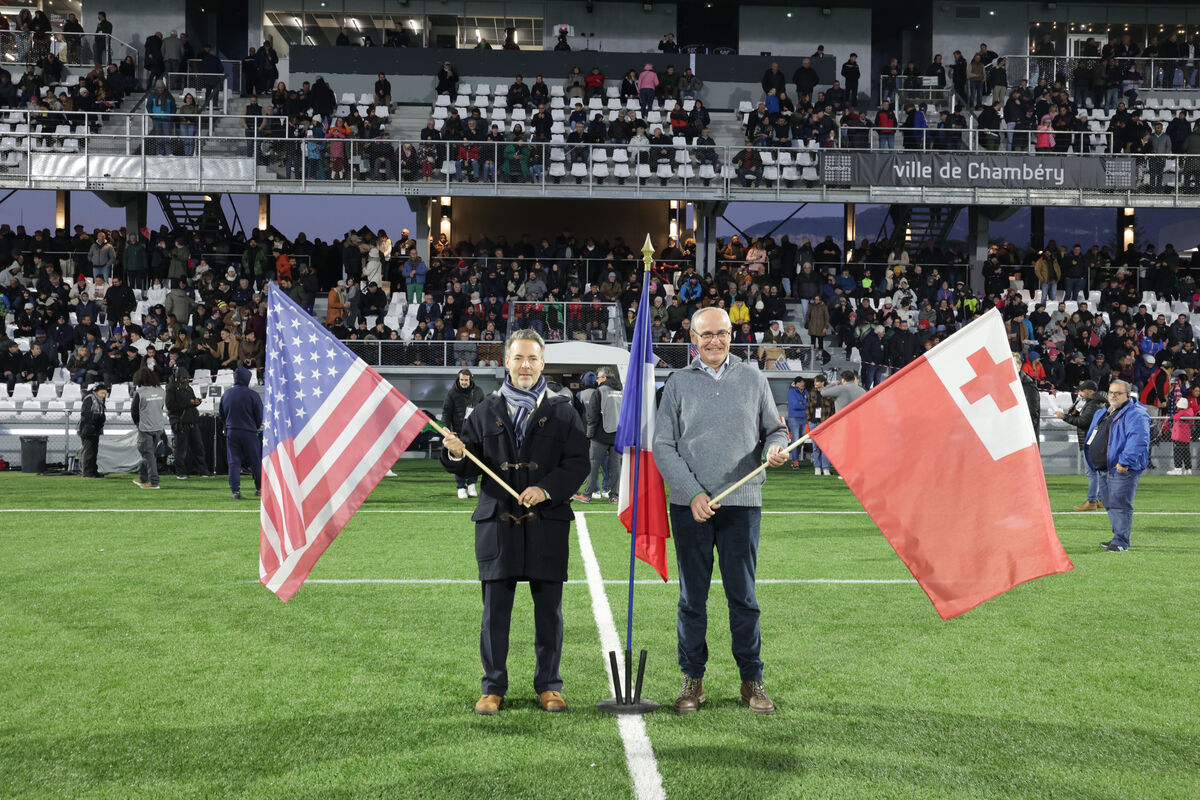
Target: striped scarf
(522, 401)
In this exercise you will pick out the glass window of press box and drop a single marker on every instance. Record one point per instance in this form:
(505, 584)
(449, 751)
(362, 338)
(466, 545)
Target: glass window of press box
(402, 25)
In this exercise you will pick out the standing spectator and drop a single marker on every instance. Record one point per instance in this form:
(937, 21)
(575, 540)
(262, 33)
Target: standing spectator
(647, 84)
(182, 412)
(817, 322)
(805, 78)
(101, 256)
(1090, 400)
(152, 58)
(161, 106)
(873, 356)
(103, 46)
(797, 415)
(818, 411)
(885, 126)
(91, 426)
(774, 79)
(1119, 450)
(717, 405)
(462, 399)
(172, 53)
(852, 73)
(242, 414)
(1187, 410)
(150, 416)
(602, 409)
(414, 276)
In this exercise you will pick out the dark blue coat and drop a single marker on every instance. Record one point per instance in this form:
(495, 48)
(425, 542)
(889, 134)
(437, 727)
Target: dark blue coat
(554, 457)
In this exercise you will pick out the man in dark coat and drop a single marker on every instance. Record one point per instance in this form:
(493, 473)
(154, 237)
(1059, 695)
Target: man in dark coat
(460, 402)
(91, 425)
(185, 425)
(1091, 400)
(533, 440)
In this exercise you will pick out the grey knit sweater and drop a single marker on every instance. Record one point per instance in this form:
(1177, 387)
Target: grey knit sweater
(710, 433)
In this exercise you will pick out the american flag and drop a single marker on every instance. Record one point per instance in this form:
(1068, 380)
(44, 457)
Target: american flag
(332, 428)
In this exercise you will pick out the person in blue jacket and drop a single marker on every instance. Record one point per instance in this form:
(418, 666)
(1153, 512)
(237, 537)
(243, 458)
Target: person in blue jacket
(797, 415)
(1118, 449)
(242, 414)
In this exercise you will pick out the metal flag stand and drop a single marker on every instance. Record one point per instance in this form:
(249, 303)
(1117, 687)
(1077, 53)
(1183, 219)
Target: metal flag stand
(630, 700)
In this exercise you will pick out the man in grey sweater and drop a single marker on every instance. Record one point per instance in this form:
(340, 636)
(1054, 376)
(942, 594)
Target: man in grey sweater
(717, 421)
(845, 391)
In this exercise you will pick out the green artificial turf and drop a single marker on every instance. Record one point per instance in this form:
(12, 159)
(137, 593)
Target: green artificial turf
(141, 658)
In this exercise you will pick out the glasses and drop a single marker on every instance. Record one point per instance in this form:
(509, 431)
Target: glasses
(1119, 394)
(707, 336)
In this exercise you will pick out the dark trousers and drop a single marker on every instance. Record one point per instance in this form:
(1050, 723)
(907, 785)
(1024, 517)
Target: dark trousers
(733, 533)
(547, 634)
(87, 455)
(242, 449)
(189, 450)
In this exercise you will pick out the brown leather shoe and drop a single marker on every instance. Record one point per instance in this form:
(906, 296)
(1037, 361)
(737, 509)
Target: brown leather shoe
(488, 704)
(753, 695)
(691, 696)
(1087, 506)
(1099, 505)
(552, 701)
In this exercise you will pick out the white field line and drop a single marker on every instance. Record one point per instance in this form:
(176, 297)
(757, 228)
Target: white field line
(639, 754)
(254, 510)
(475, 582)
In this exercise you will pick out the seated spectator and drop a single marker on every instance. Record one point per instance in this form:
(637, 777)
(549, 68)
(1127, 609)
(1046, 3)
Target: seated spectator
(689, 85)
(447, 81)
(749, 164)
(383, 91)
(575, 84)
(518, 94)
(593, 84)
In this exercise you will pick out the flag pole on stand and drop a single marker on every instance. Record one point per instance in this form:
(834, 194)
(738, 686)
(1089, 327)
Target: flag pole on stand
(642, 504)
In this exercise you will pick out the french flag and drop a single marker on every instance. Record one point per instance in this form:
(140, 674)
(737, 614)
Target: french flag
(642, 506)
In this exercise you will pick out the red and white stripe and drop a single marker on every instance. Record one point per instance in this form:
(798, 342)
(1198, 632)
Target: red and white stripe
(314, 482)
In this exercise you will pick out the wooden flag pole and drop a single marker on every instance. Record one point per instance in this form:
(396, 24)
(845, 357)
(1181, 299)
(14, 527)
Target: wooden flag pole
(786, 450)
(481, 465)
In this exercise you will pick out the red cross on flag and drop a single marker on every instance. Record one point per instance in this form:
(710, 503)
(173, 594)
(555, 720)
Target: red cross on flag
(943, 457)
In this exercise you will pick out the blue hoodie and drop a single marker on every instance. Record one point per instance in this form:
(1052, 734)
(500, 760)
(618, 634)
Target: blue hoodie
(241, 407)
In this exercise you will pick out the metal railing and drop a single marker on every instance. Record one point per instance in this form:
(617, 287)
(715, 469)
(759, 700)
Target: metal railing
(49, 155)
(569, 321)
(1093, 74)
(19, 48)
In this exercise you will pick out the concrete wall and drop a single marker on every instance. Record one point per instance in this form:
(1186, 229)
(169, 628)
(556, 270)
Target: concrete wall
(623, 27)
(844, 31)
(134, 20)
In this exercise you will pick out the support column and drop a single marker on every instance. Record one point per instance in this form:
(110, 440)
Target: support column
(978, 233)
(136, 212)
(424, 210)
(264, 212)
(849, 228)
(707, 212)
(62, 210)
(1037, 227)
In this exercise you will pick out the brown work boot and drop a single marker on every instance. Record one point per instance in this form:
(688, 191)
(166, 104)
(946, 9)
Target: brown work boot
(753, 695)
(1099, 505)
(1087, 506)
(552, 701)
(488, 704)
(691, 696)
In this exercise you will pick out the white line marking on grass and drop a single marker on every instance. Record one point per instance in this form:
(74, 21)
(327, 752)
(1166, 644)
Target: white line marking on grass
(648, 582)
(468, 511)
(639, 754)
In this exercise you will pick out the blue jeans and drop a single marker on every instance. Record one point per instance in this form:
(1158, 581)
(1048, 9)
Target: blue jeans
(872, 375)
(1093, 480)
(1050, 293)
(161, 129)
(1075, 287)
(188, 132)
(887, 141)
(819, 459)
(1116, 492)
(733, 532)
(796, 428)
(646, 98)
(603, 456)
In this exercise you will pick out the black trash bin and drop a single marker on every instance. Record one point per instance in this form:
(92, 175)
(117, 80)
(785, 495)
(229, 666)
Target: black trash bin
(33, 454)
